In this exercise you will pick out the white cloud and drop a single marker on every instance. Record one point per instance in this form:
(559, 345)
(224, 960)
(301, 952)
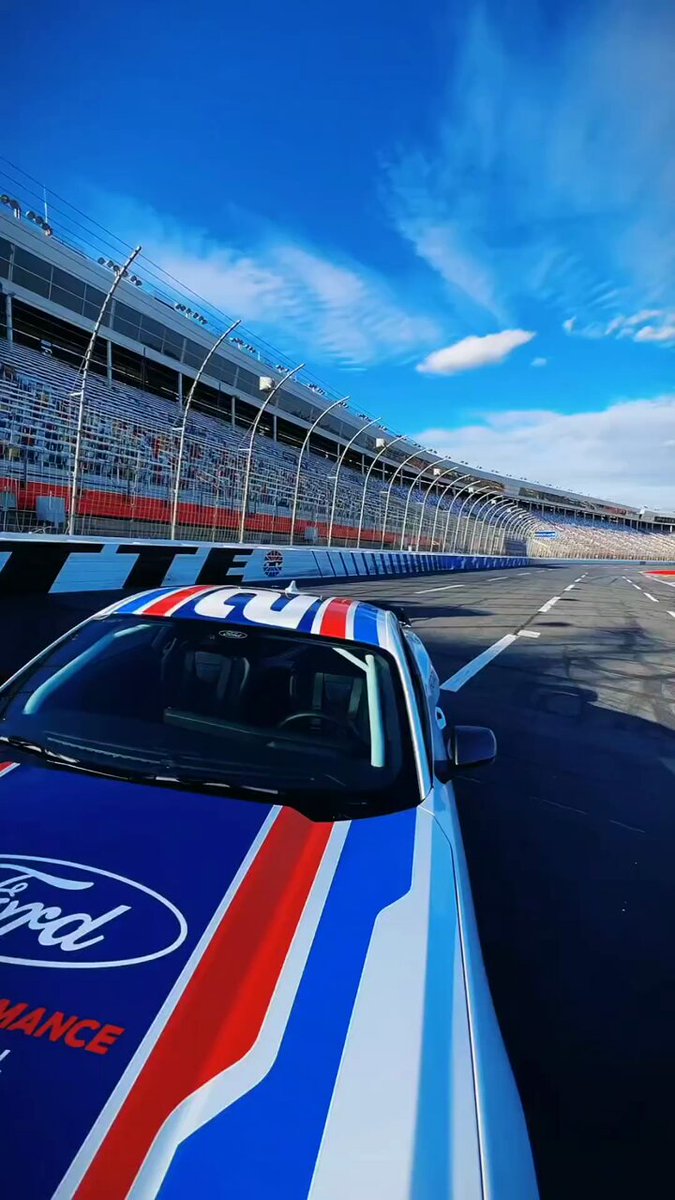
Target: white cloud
(639, 318)
(632, 327)
(623, 452)
(472, 352)
(650, 333)
(539, 362)
(307, 302)
(549, 176)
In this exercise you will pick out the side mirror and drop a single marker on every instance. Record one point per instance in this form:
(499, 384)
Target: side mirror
(472, 746)
(467, 746)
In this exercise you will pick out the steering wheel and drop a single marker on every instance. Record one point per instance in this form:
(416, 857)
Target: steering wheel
(325, 718)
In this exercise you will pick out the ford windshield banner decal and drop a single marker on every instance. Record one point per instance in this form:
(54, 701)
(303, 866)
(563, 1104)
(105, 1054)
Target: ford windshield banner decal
(38, 927)
(110, 894)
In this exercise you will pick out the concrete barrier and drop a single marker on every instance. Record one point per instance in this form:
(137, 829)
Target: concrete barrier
(40, 565)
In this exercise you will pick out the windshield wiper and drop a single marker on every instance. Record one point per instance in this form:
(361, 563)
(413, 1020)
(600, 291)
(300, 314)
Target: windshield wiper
(30, 747)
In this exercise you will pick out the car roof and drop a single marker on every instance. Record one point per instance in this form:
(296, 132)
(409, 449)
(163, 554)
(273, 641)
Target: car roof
(338, 617)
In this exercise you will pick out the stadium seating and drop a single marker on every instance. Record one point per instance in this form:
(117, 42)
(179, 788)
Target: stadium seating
(127, 475)
(128, 456)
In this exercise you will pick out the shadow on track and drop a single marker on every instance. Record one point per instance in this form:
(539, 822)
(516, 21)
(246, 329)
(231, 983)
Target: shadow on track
(570, 840)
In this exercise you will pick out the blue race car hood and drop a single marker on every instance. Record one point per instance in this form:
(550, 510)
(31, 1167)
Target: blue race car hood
(144, 933)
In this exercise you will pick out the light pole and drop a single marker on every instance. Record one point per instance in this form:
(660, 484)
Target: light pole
(249, 455)
(119, 275)
(400, 467)
(441, 475)
(338, 465)
(428, 467)
(467, 500)
(448, 487)
(386, 446)
(310, 431)
(183, 424)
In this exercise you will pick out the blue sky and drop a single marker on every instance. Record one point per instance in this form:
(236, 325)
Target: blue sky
(369, 185)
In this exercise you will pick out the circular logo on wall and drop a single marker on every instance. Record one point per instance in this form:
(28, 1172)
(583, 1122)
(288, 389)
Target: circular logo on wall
(273, 562)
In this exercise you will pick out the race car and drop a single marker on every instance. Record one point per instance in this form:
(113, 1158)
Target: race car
(238, 954)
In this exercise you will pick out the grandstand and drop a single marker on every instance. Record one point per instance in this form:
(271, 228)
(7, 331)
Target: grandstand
(319, 472)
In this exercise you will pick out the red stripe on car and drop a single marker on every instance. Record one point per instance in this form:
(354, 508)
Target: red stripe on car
(223, 1008)
(334, 623)
(171, 603)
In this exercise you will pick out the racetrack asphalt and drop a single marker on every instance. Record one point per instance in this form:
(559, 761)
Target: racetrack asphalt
(570, 839)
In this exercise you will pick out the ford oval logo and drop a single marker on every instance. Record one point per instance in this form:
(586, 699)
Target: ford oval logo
(55, 913)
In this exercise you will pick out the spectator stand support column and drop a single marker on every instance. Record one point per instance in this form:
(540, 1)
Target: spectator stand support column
(183, 424)
(81, 393)
(296, 491)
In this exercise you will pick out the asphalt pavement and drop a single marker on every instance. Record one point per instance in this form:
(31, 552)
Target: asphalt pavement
(570, 839)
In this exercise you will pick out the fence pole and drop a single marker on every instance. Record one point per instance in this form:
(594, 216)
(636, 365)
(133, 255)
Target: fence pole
(441, 498)
(183, 424)
(428, 467)
(249, 455)
(400, 467)
(310, 431)
(436, 481)
(383, 450)
(120, 272)
(338, 467)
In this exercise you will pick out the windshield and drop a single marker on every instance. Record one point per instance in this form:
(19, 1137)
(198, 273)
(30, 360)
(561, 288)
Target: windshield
(271, 715)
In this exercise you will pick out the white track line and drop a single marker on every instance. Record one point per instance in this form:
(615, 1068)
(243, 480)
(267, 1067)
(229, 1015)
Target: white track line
(637, 585)
(446, 587)
(665, 582)
(570, 587)
(528, 633)
(456, 681)
(650, 597)
(579, 579)
(549, 604)
(671, 613)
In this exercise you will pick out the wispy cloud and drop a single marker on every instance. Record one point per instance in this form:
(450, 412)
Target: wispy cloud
(551, 175)
(473, 352)
(324, 307)
(635, 327)
(625, 452)
(539, 362)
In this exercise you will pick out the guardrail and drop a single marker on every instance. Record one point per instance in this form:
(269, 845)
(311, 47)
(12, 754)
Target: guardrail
(40, 565)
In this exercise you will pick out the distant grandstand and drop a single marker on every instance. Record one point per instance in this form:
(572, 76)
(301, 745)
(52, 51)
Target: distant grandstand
(316, 471)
